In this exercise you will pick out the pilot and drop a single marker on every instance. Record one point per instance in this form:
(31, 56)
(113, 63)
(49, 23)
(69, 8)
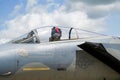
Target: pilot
(55, 34)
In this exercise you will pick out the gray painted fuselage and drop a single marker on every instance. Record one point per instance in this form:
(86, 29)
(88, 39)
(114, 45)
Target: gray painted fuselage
(61, 60)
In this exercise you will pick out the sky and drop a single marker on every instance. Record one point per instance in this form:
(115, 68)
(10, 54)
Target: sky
(20, 16)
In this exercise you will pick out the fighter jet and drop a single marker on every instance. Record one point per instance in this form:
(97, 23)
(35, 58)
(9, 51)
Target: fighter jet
(77, 55)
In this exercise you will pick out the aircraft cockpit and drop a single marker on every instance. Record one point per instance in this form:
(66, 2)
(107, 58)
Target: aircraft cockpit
(43, 34)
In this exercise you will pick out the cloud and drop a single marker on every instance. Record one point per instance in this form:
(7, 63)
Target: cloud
(2, 41)
(95, 2)
(50, 1)
(31, 4)
(37, 15)
(97, 9)
(16, 10)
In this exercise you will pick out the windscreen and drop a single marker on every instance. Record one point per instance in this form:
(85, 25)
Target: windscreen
(30, 37)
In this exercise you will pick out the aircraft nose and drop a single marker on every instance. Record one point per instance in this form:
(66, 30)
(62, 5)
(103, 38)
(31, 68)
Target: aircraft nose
(7, 63)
